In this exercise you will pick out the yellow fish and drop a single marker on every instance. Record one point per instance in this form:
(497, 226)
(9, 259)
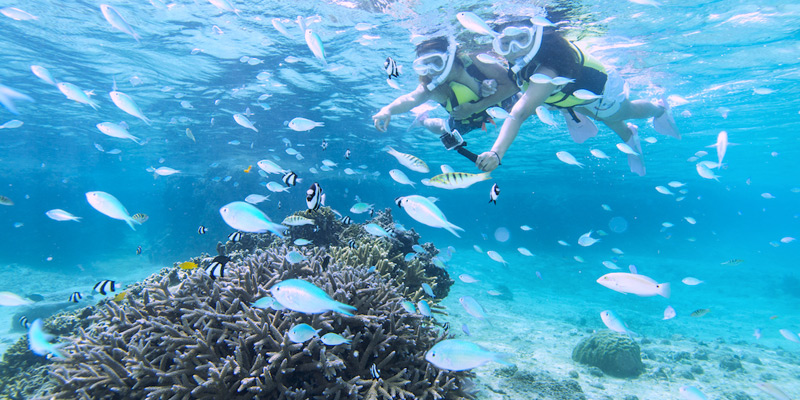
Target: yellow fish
(190, 135)
(249, 168)
(700, 312)
(120, 296)
(140, 217)
(457, 180)
(188, 265)
(734, 261)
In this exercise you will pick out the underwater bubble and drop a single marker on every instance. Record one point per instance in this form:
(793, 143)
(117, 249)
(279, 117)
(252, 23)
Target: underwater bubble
(618, 224)
(502, 235)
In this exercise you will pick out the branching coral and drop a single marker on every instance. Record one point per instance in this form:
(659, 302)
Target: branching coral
(202, 339)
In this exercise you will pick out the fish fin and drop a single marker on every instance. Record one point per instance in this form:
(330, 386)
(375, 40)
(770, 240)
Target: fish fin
(146, 120)
(345, 309)
(450, 229)
(503, 358)
(485, 176)
(131, 221)
(664, 290)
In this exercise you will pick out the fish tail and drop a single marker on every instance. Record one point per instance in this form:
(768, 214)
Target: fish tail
(452, 229)
(130, 222)
(136, 140)
(485, 176)
(345, 309)
(94, 105)
(147, 120)
(664, 290)
(503, 358)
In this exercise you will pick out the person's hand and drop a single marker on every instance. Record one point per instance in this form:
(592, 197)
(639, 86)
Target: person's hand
(487, 161)
(464, 111)
(381, 120)
(488, 87)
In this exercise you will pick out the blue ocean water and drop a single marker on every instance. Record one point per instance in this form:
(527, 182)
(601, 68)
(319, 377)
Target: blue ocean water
(734, 63)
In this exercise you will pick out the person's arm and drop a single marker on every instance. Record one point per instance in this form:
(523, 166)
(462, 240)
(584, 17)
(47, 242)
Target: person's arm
(533, 97)
(505, 86)
(400, 105)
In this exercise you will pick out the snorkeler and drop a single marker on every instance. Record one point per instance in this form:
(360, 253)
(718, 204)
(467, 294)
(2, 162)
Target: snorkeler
(551, 71)
(462, 84)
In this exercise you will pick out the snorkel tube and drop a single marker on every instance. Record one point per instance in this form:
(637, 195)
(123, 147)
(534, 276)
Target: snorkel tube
(537, 42)
(451, 56)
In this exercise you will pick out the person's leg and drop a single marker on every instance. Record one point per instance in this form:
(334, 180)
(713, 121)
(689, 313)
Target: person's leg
(641, 109)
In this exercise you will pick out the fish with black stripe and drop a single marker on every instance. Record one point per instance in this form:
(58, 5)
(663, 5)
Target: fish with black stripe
(352, 244)
(138, 250)
(235, 236)
(346, 220)
(391, 68)
(202, 230)
(347, 154)
(75, 297)
(23, 322)
(494, 193)
(217, 267)
(105, 285)
(314, 196)
(290, 179)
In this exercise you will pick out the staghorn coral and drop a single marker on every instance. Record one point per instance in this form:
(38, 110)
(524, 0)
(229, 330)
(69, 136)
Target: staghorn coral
(200, 339)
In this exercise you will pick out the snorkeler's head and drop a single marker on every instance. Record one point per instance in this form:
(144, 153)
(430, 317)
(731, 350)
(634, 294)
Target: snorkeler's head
(435, 59)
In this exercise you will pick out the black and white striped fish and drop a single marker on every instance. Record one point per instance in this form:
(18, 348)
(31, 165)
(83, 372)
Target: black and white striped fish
(290, 179)
(346, 220)
(347, 154)
(23, 322)
(494, 193)
(391, 67)
(202, 230)
(376, 373)
(235, 236)
(75, 297)
(217, 267)
(314, 196)
(324, 145)
(105, 285)
(352, 244)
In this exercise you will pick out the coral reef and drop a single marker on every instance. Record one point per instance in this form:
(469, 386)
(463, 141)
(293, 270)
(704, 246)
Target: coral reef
(23, 373)
(615, 354)
(200, 338)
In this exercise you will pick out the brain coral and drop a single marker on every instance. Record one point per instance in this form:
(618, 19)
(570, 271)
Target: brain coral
(614, 353)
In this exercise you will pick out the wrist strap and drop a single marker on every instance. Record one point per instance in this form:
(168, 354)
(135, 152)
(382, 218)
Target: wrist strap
(496, 155)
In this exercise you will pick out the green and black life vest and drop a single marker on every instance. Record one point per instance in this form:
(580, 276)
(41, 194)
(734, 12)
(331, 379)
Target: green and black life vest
(591, 76)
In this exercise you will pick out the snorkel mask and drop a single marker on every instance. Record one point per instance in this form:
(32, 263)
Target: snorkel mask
(516, 38)
(439, 64)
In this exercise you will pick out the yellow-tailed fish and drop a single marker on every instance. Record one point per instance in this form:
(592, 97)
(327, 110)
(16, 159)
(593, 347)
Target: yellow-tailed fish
(457, 180)
(409, 161)
(187, 265)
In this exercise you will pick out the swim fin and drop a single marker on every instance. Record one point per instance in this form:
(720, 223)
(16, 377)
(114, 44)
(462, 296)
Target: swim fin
(636, 163)
(580, 126)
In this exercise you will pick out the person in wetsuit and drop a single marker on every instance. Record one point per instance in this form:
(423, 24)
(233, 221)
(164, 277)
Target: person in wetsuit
(462, 84)
(551, 71)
